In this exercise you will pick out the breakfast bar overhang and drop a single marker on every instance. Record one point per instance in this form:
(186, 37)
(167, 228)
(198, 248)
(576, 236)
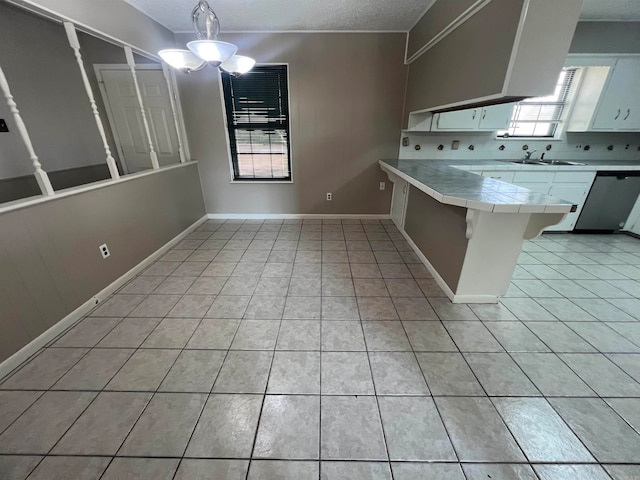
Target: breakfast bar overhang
(468, 230)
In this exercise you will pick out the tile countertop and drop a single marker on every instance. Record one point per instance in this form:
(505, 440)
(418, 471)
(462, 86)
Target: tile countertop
(453, 186)
(491, 165)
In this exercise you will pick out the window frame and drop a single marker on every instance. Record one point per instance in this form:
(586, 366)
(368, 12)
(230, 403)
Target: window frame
(277, 180)
(567, 107)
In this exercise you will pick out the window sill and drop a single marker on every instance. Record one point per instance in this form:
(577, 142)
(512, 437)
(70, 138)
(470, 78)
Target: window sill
(528, 139)
(251, 182)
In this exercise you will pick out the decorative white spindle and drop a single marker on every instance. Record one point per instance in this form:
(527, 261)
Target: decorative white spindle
(132, 65)
(41, 176)
(174, 110)
(75, 45)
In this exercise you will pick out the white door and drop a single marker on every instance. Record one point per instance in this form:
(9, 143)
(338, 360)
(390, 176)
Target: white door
(126, 117)
(496, 117)
(457, 120)
(399, 202)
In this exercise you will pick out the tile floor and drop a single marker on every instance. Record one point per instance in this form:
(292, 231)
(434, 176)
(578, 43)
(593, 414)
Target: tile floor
(300, 350)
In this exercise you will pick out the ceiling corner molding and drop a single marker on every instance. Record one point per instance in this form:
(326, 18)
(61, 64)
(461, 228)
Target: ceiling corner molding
(454, 24)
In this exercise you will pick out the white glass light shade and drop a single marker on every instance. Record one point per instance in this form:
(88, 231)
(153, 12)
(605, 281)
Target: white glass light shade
(181, 59)
(238, 64)
(212, 51)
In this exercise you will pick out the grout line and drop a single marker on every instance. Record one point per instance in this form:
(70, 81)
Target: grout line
(316, 231)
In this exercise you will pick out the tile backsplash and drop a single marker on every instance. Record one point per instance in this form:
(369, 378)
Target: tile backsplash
(572, 146)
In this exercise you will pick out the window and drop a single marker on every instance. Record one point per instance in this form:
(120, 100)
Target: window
(540, 116)
(257, 106)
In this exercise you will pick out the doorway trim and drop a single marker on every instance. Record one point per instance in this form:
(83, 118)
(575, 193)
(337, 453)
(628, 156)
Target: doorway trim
(181, 133)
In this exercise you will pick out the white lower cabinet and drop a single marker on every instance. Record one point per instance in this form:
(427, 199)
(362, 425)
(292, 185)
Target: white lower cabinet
(499, 175)
(536, 187)
(573, 192)
(399, 202)
(566, 185)
(633, 222)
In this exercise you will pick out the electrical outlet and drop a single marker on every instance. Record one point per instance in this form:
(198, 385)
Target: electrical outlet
(455, 145)
(329, 197)
(104, 250)
(382, 186)
(405, 141)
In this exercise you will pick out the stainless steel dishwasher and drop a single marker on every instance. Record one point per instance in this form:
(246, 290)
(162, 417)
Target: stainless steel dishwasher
(610, 200)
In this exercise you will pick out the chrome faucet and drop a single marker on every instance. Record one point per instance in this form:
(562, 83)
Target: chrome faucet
(527, 155)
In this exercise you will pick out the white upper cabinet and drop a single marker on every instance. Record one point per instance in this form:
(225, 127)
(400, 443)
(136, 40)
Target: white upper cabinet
(618, 108)
(494, 117)
(609, 99)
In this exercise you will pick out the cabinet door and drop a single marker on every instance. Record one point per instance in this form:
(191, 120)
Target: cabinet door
(576, 193)
(535, 187)
(458, 120)
(615, 101)
(630, 118)
(496, 117)
(399, 202)
(499, 175)
(633, 222)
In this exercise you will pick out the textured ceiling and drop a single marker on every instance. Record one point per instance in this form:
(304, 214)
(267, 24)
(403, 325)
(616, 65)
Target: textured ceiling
(611, 10)
(378, 15)
(252, 15)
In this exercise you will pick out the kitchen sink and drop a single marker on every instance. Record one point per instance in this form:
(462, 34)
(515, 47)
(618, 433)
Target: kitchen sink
(560, 162)
(527, 162)
(546, 162)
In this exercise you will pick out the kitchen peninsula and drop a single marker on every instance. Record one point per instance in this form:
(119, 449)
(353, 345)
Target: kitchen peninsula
(467, 229)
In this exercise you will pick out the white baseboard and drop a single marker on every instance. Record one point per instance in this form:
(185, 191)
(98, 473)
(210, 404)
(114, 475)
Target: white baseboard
(26, 352)
(293, 216)
(475, 299)
(442, 284)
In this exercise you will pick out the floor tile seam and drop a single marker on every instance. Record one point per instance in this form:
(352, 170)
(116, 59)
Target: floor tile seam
(46, 390)
(154, 393)
(42, 349)
(440, 417)
(605, 355)
(157, 389)
(583, 379)
(547, 402)
(375, 391)
(491, 402)
(264, 396)
(613, 330)
(575, 433)
(418, 395)
(42, 392)
(355, 460)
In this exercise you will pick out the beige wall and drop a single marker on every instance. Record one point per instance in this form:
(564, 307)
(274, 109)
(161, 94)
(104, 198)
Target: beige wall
(507, 50)
(115, 19)
(439, 231)
(606, 37)
(49, 257)
(471, 62)
(439, 16)
(46, 84)
(346, 94)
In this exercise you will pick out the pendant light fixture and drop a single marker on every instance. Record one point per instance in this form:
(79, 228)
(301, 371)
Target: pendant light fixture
(207, 50)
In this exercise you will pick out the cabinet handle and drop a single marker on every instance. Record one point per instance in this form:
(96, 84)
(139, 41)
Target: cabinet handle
(617, 115)
(438, 122)
(474, 113)
(628, 113)
(484, 114)
(404, 189)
